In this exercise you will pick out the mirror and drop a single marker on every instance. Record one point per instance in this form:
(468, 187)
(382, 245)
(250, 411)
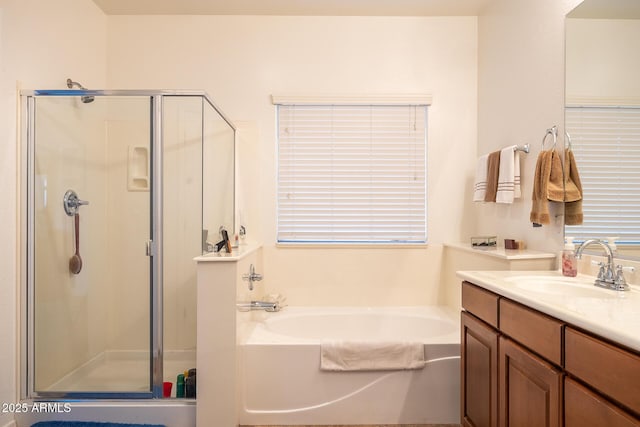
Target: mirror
(602, 117)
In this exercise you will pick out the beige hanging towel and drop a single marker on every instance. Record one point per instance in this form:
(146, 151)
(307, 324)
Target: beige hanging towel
(493, 169)
(573, 214)
(539, 206)
(539, 198)
(555, 185)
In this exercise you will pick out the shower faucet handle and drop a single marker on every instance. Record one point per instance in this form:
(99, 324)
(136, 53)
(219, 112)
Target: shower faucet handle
(72, 202)
(252, 276)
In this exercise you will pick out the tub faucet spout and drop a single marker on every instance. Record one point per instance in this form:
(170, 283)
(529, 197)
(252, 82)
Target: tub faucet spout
(259, 305)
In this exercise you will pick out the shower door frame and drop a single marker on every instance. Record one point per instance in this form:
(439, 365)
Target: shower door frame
(154, 245)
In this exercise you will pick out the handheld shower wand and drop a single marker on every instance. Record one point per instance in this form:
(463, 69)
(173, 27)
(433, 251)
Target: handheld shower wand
(85, 99)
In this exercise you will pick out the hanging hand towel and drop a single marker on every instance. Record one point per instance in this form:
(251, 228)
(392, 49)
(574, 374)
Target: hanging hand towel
(371, 355)
(573, 194)
(556, 180)
(548, 185)
(508, 175)
(493, 167)
(540, 204)
(480, 186)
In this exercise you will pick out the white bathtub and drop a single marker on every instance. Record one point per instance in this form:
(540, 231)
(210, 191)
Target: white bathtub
(281, 381)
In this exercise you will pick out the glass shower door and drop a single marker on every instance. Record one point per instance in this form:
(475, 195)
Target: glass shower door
(90, 213)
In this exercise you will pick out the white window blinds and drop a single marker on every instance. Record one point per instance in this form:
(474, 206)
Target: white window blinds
(352, 173)
(606, 145)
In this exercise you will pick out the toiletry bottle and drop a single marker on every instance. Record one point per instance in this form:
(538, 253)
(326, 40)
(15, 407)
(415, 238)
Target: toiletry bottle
(180, 386)
(569, 261)
(611, 241)
(190, 384)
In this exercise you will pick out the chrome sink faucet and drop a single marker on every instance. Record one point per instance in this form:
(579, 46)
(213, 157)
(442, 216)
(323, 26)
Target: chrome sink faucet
(606, 276)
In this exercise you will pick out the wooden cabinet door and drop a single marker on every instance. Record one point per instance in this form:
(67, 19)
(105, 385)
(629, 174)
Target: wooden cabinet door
(530, 389)
(584, 408)
(611, 370)
(479, 373)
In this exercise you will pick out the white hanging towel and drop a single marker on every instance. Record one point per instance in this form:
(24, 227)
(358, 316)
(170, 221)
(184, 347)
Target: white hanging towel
(509, 175)
(480, 185)
(371, 355)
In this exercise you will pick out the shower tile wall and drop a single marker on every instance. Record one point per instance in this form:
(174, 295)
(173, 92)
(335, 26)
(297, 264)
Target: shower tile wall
(128, 223)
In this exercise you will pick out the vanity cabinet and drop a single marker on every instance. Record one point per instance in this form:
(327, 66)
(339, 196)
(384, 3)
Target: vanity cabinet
(521, 367)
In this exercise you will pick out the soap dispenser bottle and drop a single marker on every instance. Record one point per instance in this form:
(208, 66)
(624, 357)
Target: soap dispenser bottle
(569, 260)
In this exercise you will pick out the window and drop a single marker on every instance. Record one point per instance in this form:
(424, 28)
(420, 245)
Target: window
(351, 173)
(606, 145)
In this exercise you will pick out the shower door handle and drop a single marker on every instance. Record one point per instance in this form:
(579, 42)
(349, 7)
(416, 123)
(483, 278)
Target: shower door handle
(150, 248)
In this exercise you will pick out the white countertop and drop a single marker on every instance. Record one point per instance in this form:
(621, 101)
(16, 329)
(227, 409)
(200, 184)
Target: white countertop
(236, 255)
(501, 252)
(610, 314)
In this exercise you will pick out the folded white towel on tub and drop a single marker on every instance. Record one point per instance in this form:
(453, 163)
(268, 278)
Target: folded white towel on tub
(371, 355)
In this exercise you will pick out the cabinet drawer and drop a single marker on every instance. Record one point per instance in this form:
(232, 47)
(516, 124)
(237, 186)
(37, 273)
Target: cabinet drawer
(534, 330)
(583, 408)
(481, 303)
(613, 371)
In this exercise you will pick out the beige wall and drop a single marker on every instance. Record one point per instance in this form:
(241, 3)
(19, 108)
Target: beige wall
(520, 95)
(602, 58)
(241, 61)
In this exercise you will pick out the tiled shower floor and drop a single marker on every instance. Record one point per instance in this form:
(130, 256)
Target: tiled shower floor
(123, 371)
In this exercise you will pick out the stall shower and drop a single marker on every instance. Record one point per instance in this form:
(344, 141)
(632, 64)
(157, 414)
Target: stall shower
(117, 188)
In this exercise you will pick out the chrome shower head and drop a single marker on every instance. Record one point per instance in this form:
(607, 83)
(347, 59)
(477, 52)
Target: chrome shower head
(71, 84)
(85, 98)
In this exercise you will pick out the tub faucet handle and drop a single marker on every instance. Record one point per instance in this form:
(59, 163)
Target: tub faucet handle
(252, 276)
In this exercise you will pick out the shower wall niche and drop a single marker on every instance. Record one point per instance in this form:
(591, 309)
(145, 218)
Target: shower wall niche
(156, 168)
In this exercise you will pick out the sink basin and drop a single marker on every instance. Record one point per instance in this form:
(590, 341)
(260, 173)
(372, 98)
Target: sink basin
(559, 285)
